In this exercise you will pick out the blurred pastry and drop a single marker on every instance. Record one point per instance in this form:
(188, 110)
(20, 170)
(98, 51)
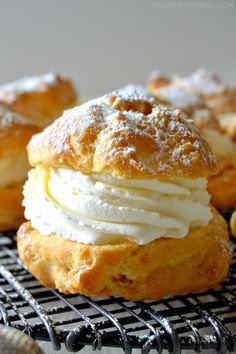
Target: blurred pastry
(219, 98)
(15, 133)
(212, 106)
(233, 224)
(40, 99)
(117, 203)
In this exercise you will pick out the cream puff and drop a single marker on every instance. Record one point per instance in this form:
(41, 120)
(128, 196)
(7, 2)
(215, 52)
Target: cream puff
(40, 99)
(117, 203)
(15, 133)
(212, 106)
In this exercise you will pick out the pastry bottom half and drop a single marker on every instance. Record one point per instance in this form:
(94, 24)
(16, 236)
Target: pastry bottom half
(222, 186)
(163, 267)
(11, 209)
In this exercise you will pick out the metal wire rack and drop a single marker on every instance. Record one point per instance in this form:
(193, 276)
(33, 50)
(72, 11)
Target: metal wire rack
(198, 321)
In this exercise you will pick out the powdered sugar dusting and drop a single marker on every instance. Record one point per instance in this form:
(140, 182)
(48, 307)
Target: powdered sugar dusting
(178, 97)
(124, 132)
(192, 94)
(28, 84)
(8, 117)
(202, 82)
(132, 92)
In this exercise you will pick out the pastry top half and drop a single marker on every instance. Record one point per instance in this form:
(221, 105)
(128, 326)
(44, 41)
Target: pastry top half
(126, 135)
(41, 98)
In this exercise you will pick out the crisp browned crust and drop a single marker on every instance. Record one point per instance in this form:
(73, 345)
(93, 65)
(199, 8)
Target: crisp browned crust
(173, 96)
(44, 102)
(196, 262)
(15, 132)
(11, 210)
(222, 186)
(127, 138)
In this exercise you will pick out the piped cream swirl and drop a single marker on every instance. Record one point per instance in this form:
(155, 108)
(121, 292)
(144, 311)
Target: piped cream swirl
(99, 208)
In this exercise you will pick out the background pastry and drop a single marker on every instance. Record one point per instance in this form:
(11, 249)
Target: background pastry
(40, 98)
(15, 133)
(233, 223)
(117, 203)
(212, 106)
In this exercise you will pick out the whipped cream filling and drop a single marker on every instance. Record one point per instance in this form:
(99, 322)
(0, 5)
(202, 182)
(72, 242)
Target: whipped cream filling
(99, 208)
(13, 169)
(221, 144)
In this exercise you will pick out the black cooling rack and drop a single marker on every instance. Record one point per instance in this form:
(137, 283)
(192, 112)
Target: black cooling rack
(197, 321)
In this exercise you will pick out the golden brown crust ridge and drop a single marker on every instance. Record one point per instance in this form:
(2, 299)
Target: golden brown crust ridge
(11, 209)
(44, 101)
(125, 138)
(15, 132)
(196, 262)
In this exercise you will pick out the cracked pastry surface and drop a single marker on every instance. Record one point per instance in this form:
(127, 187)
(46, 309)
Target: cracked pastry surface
(110, 137)
(15, 132)
(39, 98)
(111, 179)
